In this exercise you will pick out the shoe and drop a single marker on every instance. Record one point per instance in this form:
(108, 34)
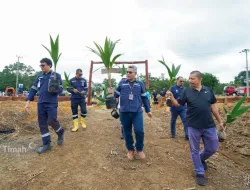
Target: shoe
(75, 121)
(200, 180)
(141, 155)
(131, 154)
(43, 149)
(204, 163)
(186, 137)
(60, 139)
(82, 120)
(173, 137)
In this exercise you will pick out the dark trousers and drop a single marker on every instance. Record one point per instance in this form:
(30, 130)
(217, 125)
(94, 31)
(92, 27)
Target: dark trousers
(74, 107)
(174, 114)
(47, 115)
(136, 119)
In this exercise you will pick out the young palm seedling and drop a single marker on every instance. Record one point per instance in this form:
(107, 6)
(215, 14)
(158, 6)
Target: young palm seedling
(237, 111)
(54, 83)
(105, 55)
(172, 73)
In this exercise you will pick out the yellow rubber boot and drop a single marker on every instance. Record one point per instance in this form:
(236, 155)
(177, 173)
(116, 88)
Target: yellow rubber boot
(75, 121)
(82, 122)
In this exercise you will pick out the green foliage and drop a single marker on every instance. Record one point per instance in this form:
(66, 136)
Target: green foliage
(105, 55)
(68, 84)
(239, 79)
(172, 73)
(113, 83)
(26, 76)
(123, 71)
(210, 80)
(54, 51)
(236, 112)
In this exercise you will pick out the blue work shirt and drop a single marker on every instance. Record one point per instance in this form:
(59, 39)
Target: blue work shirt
(136, 88)
(199, 113)
(41, 85)
(177, 91)
(79, 84)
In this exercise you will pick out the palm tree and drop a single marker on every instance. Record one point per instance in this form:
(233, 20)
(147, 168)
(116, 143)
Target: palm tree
(172, 73)
(54, 53)
(105, 55)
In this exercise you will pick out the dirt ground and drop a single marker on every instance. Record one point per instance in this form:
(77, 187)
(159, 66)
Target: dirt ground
(95, 158)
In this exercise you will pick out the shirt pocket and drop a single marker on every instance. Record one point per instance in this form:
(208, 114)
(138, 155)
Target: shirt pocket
(125, 89)
(137, 90)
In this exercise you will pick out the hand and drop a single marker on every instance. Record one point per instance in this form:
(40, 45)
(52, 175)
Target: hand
(222, 127)
(149, 114)
(169, 94)
(27, 106)
(75, 90)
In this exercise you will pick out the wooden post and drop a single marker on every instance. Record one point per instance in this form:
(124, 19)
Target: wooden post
(147, 76)
(90, 81)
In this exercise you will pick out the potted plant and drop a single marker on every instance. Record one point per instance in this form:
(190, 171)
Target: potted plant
(54, 83)
(231, 117)
(105, 55)
(172, 73)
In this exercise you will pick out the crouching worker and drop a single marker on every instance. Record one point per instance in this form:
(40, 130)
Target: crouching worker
(77, 98)
(47, 105)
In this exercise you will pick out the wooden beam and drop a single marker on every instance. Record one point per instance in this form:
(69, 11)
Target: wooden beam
(114, 70)
(90, 81)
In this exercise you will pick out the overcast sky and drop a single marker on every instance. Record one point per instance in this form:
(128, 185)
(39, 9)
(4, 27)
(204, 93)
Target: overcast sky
(200, 35)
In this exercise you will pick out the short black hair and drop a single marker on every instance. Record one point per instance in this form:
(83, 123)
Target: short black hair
(197, 73)
(47, 61)
(78, 70)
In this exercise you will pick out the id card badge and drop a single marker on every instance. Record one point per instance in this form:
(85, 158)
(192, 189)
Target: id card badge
(131, 96)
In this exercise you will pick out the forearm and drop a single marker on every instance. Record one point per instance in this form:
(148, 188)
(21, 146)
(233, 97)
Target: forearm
(31, 94)
(145, 102)
(216, 114)
(174, 101)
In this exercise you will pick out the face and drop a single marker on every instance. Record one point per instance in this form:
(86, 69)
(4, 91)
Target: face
(180, 82)
(79, 75)
(131, 74)
(45, 67)
(194, 81)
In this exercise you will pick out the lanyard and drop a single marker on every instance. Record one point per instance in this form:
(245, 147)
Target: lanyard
(131, 88)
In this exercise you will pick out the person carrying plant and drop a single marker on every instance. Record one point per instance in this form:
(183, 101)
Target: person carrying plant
(201, 105)
(178, 111)
(132, 94)
(47, 105)
(78, 93)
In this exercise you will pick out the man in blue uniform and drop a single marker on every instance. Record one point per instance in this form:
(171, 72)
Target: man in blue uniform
(132, 94)
(201, 105)
(155, 97)
(178, 111)
(77, 98)
(47, 105)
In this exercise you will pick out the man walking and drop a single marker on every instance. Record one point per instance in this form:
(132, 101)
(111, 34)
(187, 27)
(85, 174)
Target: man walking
(132, 94)
(200, 107)
(78, 99)
(178, 111)
(47, 105)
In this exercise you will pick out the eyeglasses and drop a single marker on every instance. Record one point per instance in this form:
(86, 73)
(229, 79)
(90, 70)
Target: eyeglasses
(42, 65)
(80, 74)
(129, 72)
